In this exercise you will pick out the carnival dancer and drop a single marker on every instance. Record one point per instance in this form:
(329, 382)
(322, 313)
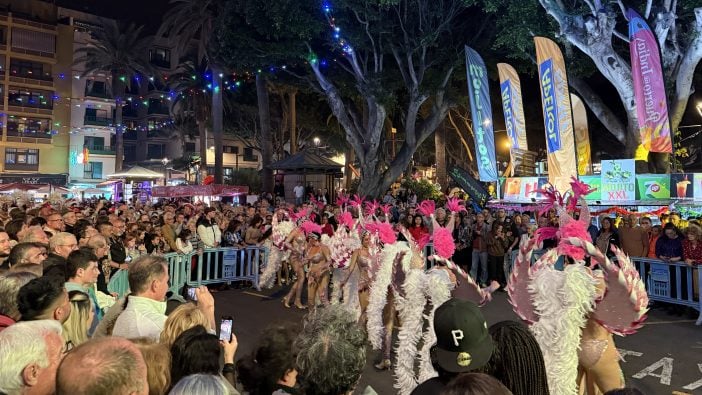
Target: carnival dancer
(296, 244)
(318, 257)
(574, 312)
(360, 268)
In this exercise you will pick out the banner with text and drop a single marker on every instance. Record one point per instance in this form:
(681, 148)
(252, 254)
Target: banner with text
(649, 86)
(652, 186)
(558, 120)
(618, 179)
(582, 136)
(472, 187)
(511, 93)
(481, 112)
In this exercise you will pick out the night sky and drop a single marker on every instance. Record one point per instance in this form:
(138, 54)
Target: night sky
(143, 12)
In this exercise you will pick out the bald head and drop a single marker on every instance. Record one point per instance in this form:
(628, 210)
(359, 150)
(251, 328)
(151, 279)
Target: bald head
(108, 366)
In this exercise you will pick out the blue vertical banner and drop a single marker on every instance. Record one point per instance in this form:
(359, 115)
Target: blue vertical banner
(481, 112)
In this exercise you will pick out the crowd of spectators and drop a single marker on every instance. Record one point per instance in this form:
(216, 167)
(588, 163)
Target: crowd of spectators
(66, 329)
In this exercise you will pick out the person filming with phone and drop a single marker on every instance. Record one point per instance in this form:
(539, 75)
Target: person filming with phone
(144, 312)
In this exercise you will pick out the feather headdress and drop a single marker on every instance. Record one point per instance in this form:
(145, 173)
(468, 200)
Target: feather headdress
(310, 227)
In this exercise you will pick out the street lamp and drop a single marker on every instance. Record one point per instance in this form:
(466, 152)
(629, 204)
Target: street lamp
(316, 142)
(699, 107)
(165, 171)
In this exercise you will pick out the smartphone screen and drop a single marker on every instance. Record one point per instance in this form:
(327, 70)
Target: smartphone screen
(225, 329)
(192, 295)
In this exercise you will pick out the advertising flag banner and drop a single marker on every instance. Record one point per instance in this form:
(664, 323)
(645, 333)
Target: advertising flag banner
(472, 187)
(582, 136)
(652, 186)
(558, 120)
(511, 94)
(697, 190)
(649, 87)
(618, 179)
(481, 112)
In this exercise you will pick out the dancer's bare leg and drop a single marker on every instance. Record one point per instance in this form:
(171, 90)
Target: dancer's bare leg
(363, 300)
(296, 289)
(323, 289)
(388, 324)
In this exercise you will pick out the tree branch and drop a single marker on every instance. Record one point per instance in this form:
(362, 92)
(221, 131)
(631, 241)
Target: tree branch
(686, 71)
(598, 107)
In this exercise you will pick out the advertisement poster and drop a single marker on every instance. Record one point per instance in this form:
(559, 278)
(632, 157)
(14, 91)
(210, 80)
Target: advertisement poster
(653, 186)
(512, 188)
(681, 186)
(481, 109)
(618, 180)
(595, 182)
(698, 186)
(524, 189)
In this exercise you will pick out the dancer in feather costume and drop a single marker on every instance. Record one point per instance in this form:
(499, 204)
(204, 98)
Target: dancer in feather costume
(574, 312)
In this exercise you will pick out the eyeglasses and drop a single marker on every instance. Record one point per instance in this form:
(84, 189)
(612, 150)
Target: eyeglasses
(56, 220)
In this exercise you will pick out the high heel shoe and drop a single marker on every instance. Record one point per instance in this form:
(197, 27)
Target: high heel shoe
(285, 303)
(301, 306)
(384, 364)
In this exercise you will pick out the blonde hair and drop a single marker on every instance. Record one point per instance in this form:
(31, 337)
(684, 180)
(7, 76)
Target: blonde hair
(186, 316)
(695, 229)
(75, 329)
(158, 364)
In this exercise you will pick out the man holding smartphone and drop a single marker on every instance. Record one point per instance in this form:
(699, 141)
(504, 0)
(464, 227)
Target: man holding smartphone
(145, 314)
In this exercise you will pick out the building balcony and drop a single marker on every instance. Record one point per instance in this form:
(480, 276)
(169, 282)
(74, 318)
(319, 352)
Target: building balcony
(101, 150)
(21, 167)
(39, 80)
(97, 121)
(99, 93)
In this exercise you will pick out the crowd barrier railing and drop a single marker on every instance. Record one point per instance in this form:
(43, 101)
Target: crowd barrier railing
(215, 265)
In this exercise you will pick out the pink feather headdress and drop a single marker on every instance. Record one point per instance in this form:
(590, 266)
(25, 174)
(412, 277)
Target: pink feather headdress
(371, 207)
(357, 201)
(384, 231)
(427, 207)
(342, 200)
(346, 218)
(443, 242)
(309, 227)
(454, 205)
(386, 209)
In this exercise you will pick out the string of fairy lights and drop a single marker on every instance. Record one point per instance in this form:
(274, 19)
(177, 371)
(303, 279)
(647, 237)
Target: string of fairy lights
(158, 96)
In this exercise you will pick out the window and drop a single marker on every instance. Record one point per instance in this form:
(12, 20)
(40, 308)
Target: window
(160, 57)
(28, 127)
(96, 88)
(189, 147)
(130, 153)
(2, 64)
(94, 143)
(93, 170)
(230, 149)
(34, 41)
(25, 97)
(28, 69)
(249, 155)
(21, 156)
(156, 151)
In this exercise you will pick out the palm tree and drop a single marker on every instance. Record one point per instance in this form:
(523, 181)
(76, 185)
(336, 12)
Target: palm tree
(191, 97)
(121, 52)
(189, 20)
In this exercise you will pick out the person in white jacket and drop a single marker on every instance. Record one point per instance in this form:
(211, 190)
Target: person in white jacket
(208, 230)
(183, 242)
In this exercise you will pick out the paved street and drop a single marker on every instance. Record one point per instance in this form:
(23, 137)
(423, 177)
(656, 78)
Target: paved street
(665, 356)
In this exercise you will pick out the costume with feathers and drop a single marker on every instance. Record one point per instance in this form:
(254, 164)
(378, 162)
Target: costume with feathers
(574, 312)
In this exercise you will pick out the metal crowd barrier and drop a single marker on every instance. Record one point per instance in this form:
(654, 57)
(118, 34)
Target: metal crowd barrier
(215, 265)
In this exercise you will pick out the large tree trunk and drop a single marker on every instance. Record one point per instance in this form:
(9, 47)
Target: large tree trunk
(440, 149)
(202, 132)
(118, 91)
(217, 125)
(264, 116)
(293, 122)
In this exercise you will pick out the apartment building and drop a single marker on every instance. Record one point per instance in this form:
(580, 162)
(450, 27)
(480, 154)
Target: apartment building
(35, 58)
(91, 151)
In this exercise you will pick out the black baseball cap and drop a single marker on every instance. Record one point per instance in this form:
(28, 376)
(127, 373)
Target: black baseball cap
(463, 342)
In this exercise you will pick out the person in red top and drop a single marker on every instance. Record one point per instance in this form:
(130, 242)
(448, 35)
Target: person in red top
(327, 228)
(417, 230)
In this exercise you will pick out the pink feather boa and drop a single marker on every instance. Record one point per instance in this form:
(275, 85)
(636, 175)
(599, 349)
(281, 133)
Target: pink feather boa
(454, 205)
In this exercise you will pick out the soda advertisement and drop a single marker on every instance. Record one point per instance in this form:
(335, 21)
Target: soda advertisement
(523, 189)
(653, 186)
(681, 184)
(595, 182)
(618, 180)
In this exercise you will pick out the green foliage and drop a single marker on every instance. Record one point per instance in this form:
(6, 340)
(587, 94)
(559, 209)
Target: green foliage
(423, 188)
(250, 177)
